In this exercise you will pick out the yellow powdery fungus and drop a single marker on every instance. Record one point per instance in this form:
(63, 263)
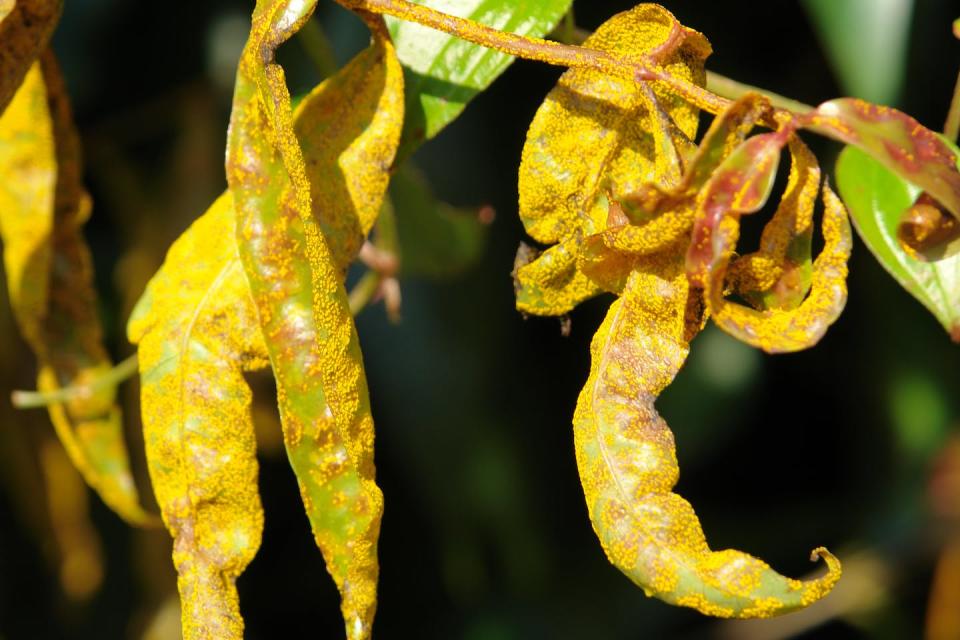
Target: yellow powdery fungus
(197, 332)
(50, 280)
(296, 281)
(611, 179)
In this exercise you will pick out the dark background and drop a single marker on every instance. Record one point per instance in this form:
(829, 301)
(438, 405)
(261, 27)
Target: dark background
(485, 535)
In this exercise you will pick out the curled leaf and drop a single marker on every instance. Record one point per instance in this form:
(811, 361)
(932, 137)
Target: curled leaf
(297, 288)
(50, 279)
(596, 133)
(628, 465)
(877, 198)
(783, 330)
(197, 332)
(898, 142)
(549, 283)
(25, 29)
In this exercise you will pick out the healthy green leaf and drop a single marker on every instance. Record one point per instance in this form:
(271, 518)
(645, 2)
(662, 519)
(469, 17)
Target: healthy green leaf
(443, 73)
(877, 199)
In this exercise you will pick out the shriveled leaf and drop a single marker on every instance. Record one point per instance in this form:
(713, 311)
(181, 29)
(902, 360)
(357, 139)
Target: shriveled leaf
(348, 128)
(783, 330)
(549, 283)
(198, 332)
(628, 466)
(593, 131)
(740, 185)
(898, 142)
(50, 280)
(777, 276)
(304, 315)
(25, 29)
(877, 198)
(436, 240)
(443, 73)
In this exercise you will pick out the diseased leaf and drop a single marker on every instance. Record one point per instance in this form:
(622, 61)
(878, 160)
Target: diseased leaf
(593, 132)
(25, 28)
(778, 275)
(436, 240)
(628, 466)
(348, 128)
(443, 73)
(197, 332)
(549, 283)
(784, 330)
(877, 198)
(297, 289)
(50, 280)
(898, 142)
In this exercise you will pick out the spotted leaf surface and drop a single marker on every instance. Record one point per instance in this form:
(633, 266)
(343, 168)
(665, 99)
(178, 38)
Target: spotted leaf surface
(298, 292)
(197, 332)
(50, 280)
(628, 464)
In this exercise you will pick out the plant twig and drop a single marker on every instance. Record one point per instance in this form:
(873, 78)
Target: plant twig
(113, 377)
(555, 53)
(318, 48)
(952, 127)
(729, 88)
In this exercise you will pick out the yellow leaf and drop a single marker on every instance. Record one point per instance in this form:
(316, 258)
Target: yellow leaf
(197, 332)
(42, 208)
(628, 464)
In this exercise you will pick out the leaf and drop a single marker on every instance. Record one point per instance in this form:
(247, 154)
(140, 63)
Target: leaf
(436, 240)
(592, 133)
(443, 73)
(348, 129)
(304, 315)
(628, 466)
(25, 28)
(50, 280)
(549, 283)
(898, 142)
(197, 332)
(877, 198)
(866, 41)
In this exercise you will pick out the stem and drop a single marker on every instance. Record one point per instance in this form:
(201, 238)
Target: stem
(318, 48)
(382, 260)
(363, 292)
(555, 53)
(112, 378)
(729, 88)
(952, 127)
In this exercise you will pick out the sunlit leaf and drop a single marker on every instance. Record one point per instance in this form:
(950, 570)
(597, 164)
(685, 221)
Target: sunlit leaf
(50, 280)
(877, 199)
(298, 291)
(593, 131)
(443, 73)
(898, 142)
(628, 465)
(25, 28)
(549, 283)
(436, 240)
(197, 332)
(348, 128)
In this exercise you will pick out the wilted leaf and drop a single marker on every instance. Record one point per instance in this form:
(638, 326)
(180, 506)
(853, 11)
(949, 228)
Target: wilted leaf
(549, 283)
(877, 198)
(443, 73)
(198, 332)
(25, 28)
(628, 464)
(50, 280)
(436, 240)
(305, 318)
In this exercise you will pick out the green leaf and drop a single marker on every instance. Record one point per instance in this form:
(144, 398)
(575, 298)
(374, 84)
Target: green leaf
(866, 41)
(436, 240)
(443, 73)
(877, 198)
